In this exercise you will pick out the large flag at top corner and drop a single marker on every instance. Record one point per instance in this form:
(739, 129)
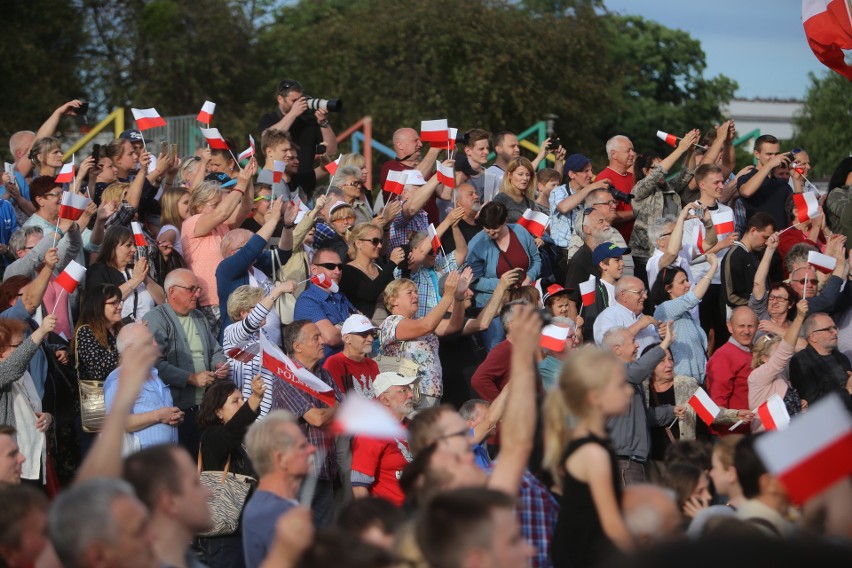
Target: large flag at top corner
(828, 27)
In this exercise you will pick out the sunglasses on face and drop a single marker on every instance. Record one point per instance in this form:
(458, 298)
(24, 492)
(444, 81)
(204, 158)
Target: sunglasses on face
(376, 241)
(330, 265)
(263, 198)
(365, 334)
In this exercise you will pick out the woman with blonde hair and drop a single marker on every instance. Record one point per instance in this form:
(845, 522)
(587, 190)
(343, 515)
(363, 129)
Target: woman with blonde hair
(334, 234)
(366, 275)
(46, 156)
(212, 214)
(517, 191)
(771, 356)
(174, 210)
(592, 388)
(402, 335)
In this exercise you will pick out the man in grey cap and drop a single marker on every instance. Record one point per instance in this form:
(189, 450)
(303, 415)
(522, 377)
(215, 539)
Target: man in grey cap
(377, 464)
(566, 202)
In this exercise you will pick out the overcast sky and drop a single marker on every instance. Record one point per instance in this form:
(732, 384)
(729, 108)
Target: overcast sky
(759, 43)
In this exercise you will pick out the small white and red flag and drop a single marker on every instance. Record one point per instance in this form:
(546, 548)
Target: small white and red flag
(138, 235)
(704, 406)
(435, 131)
(72, 205)
(278, 167)
(537, 286)
(246, 154)
(828, 27)
(822, 262)
(325, 283)
(587, 291)
(244, 351)
(361, 416)
(395, 182)
(331, 167)
(723, 221)
(207, 110)
(449, 143)
(66, 174)
(294, 374)
(698, 238)
(445, 175)
(147, 118)
(773, 414)
(807, 206)
(214, 138)
(814, 453)
(669, 139)
(534, 222)
(434, 238)
(71, 277)
(554, 337)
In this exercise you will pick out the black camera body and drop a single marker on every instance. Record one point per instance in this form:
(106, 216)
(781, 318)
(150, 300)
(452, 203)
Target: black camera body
(330, 105)
(623, 197)
(554, 144)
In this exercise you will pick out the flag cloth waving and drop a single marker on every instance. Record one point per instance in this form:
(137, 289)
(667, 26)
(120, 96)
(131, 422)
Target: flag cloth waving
(147, 118)
(72, 205)
(71, 276)
(291, 372)
(207, 110)
(828, 27)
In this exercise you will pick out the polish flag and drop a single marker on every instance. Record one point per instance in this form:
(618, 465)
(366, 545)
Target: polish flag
(71, 276)
(537, 286)
(325, 283)
(449, 143)
(294, 374)
(147, 118)
(278, 167)
(214, 139)
(248, 152)
(828, 27)
(433, 237)
(822, 262)
(773, 414)
(554, 337)
(704, 406)
(587, 291)
(66, 174)
(72, 205)
(207, 110)
(534, 222)
(435, 131)
(331, 167)
(669, 139)
(723, 221)
(138, 235)
(244, 351)
(698, 238)
(814, 453)
(445, 175)
(360, 416)
(807, 206)
(395, 182)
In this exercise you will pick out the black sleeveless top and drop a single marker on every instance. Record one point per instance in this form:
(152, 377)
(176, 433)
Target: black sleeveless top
(579, 539)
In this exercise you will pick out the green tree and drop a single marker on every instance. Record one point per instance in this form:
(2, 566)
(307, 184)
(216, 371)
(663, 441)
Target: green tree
(824, 126)
(661, 85)
(39, 62)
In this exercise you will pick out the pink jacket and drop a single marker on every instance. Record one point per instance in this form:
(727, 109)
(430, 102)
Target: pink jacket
(768, 379)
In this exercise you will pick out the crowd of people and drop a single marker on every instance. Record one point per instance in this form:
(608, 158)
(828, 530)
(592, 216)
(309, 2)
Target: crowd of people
(181, 405)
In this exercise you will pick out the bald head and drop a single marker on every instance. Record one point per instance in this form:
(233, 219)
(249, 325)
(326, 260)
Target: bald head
(20, 142)
(629, 283)
(406, 143)
(651, 514)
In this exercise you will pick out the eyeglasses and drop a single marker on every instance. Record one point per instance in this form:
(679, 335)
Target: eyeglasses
(609, 203)
(637, 292)
(263, 198)
(347, 218)
(114, 302)
(55, 195)
(192, 289)
(829, 328)
(774, 298)
(376, 241)
(330, 265)
(364, 334)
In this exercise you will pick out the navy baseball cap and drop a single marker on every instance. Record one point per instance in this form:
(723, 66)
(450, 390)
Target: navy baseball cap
(222, 179)
(608, 250)
(576, 162)
(134, 136)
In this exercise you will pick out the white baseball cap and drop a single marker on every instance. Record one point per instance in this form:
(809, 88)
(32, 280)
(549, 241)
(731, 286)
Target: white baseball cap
(355, 324)
(384, 381)
(414, 177)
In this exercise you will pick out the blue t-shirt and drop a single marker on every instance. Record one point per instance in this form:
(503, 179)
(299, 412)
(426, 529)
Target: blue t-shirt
(316, 305)
(258, 527)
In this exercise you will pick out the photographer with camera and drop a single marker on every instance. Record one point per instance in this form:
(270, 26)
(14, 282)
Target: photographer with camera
(306, 129)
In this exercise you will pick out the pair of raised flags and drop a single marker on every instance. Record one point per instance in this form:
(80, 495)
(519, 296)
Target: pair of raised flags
(395, 182)
(438, 134)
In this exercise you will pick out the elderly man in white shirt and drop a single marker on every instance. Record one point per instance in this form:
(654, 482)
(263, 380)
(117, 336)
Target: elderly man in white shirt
(630, 295)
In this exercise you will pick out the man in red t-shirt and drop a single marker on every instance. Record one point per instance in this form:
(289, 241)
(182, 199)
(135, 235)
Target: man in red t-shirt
(377, 464)
(351, 369)
(619, 150)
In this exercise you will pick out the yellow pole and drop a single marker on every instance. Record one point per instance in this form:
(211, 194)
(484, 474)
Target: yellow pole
(116, 116)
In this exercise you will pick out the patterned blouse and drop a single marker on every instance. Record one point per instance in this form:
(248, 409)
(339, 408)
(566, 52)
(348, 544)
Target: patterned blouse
(423, 351)
(94, 361)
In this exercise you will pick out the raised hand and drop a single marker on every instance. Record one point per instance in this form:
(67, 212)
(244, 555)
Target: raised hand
(465, 279)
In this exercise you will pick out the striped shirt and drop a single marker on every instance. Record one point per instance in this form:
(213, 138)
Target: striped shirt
(246, 334)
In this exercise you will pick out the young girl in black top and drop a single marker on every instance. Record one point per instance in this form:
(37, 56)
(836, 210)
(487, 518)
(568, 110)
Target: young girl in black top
(590, 527)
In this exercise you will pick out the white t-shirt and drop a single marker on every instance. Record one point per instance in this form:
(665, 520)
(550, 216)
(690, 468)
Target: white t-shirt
(700, 268)
(178, 244)
(684, 257)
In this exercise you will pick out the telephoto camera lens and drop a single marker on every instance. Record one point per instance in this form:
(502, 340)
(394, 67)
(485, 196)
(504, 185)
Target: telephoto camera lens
(330, 105)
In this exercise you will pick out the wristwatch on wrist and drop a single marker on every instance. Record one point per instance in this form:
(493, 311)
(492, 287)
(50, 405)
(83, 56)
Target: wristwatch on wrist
(324, 124)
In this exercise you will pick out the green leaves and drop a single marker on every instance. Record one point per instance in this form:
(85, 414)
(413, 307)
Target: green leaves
(824, 127)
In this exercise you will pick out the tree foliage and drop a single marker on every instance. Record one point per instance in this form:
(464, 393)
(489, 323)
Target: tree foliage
(824, 126)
